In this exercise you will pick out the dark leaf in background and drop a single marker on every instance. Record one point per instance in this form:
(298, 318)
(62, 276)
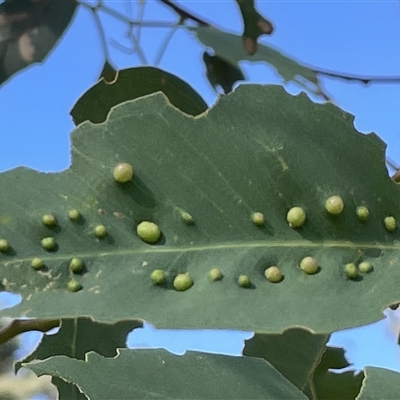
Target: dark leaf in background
(255, 25)
(221, 72)
(108, 73)
(328, 385)
(29, 30)
(130, 84)
(302, 349)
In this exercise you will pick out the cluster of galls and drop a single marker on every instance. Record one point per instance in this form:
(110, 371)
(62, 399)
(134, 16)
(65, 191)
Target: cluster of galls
(150, 233)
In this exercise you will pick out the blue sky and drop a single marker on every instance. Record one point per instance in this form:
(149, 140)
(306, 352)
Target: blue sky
(350, 37)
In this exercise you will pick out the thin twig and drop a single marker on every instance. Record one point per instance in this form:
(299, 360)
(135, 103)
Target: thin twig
(362, 79)
(141, 7)
(184, 14)
(164, 45)
(121, 47)
(18, 326)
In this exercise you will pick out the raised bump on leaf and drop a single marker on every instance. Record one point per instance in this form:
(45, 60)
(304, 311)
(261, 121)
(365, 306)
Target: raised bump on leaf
(48, 243)
(309, 265)
(158, 276)
(74, 286)
(258, 218)
(187, 218)
(214, 274)
(74, 215)
(243, 281)
(273, 274)
(76, 265)
(334, 205)
(49, 220)
(362, 213)
(351, 270)
(4, 246)
(390, 223)
(149, 232)
(182, 282)
(123, 172)
(365, 267)
(100, 231)
(296, 217)
(37, 263)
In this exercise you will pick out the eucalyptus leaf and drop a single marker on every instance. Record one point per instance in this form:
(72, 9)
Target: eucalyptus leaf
(258, 150)
(155, 374)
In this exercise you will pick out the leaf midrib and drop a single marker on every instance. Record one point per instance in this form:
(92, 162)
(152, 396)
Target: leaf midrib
(224, 246)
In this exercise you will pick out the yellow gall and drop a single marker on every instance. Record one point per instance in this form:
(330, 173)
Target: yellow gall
(149, 232)
(362, 213)
(273, 274)
(214, 274)
(296, 217)
(351, 271)
(334, 205)
(182, 282)
(258, 218)
(123, 172)
(309, 265)
(158, 277)
(244, 281)
(390, 223)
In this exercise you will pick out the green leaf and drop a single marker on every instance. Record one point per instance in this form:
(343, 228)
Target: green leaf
(66, 390)
(328, 385)
(130, 84)
(254, 25)
(154, 374)
(221, 72)
(75, 338)
(380, 384)
(307, 363)
(108, 73)
(258, 150)
(302, 349)
(29, 31)
(230, 47)
(78, 336)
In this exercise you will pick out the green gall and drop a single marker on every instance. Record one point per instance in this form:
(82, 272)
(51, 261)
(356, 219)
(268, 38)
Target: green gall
(123, 172)
(182, 282)
(148, 232)
(37, 263)
(362, 213)
(187, 218)
(273, 274)
(244, 281)
(49, 220)
(4, 246)
(74, 286)
(334, 205)
(390, 223)
(309, 265)
(100, 231)
(158, 277)
(74, 215)
(48, 243)
(214, 275)
(258, 218)
(296, 217)
(351, 271)
(76, 265)
(365, 267)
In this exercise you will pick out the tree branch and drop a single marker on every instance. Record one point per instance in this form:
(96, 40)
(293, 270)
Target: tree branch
(18, 326)
(363, 79)
(184, 14)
